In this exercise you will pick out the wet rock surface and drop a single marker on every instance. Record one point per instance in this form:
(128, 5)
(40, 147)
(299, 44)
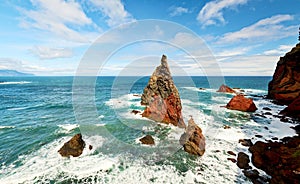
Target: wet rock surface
(73, 147)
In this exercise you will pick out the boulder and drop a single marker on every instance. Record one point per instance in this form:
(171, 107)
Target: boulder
(241, 103)
(225, 89)
(285, 85)
(135, 112)
(161, 97)
(243, 161)
(292, 109)
(246, 142)
(280, 160)
(73, 147)
(193, 140)
(148, 139)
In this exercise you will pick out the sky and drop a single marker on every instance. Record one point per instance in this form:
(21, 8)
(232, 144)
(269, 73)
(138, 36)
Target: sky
(128, 37)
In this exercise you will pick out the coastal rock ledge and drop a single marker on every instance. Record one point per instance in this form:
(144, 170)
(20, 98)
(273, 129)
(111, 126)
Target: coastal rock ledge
(161, 97)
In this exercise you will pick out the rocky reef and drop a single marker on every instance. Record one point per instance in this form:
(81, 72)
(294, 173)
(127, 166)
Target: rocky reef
(73, 147)
(285, 85)
(193, 140)
(161, 97)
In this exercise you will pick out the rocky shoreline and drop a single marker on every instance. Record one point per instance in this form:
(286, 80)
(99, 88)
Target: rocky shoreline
(278, 158)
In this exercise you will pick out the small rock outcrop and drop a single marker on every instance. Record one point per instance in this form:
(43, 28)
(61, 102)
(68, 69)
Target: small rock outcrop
(280, 160)
(293, 109)
(285, 85)
(73, 147)
(241, 103)
(225, 89)
(148, 139)
(193, 140)
(243, 161)
(161, 97)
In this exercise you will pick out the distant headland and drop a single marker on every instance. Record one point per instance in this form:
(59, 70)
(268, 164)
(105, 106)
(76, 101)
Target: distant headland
(14, 73)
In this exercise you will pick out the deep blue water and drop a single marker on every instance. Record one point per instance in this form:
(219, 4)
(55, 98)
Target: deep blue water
(37, 111)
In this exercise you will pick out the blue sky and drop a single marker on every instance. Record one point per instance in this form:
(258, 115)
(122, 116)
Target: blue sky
(51, 37)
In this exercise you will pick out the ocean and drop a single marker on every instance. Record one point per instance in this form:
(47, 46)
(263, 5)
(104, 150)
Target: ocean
(39, 114)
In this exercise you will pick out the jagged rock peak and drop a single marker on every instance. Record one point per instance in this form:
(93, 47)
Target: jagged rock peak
(161, 97)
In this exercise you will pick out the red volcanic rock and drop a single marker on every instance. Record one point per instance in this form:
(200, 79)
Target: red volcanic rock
(225, 89)
(241, 103)
(293, 109)
(285, 85)
(73, 147)
(161, 97)
(193, 140)
(280, 160)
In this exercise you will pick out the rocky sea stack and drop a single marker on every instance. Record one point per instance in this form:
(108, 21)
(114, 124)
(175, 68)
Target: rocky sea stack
(193, 140)
(161, 97)
(285, 85)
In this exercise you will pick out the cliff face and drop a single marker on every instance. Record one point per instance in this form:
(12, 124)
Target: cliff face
(161, 97)
(285, 85)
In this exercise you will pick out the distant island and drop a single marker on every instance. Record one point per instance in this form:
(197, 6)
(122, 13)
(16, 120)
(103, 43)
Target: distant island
(14, 73)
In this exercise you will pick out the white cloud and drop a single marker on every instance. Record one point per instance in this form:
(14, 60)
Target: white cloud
(44, 52)
(114, 10)
(282, 49)
(37, 69)
(265, 29)
(57, 16)
(254, 65)
(211, 13)
(177, 11)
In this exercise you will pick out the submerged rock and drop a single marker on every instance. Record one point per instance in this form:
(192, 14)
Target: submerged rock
(241, 103)
(193, 140)
(161, 97)
(225, 89)
(73, 147)
(148, 139)
(285, 85)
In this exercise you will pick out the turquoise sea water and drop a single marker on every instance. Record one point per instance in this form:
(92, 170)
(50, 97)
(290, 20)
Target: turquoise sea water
(39, 114)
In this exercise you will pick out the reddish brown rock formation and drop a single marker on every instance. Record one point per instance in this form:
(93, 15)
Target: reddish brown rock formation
(243, 161)
(73, 147)
(280, 160)
(241, 103)
(193, 140)
(292, 109)
(285, 85)
(162, 98)
(225, 89)
(148, 139)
